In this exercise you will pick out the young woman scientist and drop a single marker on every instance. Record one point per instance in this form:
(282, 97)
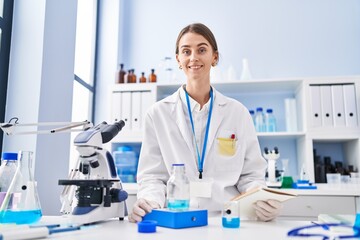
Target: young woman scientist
(197, 114)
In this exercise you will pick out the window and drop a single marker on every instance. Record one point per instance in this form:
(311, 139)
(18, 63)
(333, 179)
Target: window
(85, 51)
(6, 13)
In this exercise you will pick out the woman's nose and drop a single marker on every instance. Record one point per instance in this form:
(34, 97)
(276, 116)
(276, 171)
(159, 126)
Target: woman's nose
(193, 56)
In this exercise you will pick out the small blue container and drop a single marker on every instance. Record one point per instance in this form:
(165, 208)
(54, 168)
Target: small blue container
(231, 222)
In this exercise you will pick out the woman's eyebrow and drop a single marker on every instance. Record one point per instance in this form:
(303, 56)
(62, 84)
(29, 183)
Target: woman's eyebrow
(200, 44)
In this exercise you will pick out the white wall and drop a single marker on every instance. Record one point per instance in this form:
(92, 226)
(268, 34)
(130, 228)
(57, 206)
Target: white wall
(40, 87)
(281, 38)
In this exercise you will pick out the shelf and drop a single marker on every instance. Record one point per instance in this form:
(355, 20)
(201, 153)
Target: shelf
(280, 135)
(239, 87)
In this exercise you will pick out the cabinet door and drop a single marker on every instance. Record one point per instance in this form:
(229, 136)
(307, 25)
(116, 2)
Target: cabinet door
(315, 106)
(350, 105)
(136, 110)
(326, 106)
(116, 106)
(337, 97)
(126, 109)
(312, 206)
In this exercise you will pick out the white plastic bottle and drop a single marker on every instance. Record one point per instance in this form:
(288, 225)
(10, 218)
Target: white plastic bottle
(270, 121)
(178, 189)
(259, 120)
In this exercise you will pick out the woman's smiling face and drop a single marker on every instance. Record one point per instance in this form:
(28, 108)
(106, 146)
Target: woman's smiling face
(195, 56)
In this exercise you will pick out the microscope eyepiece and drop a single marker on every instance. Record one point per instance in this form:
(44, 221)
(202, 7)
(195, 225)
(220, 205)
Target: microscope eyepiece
(110, 131)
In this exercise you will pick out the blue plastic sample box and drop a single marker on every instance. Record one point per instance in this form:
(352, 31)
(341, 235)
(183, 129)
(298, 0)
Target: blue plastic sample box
(174, 219)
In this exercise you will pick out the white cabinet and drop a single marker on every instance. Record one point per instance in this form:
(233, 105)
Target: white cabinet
(319, 101)
(129, 102)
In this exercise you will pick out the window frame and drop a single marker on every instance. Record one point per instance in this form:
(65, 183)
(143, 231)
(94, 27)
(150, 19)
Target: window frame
(6, 28)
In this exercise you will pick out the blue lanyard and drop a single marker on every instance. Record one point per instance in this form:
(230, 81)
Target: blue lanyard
(200, 161)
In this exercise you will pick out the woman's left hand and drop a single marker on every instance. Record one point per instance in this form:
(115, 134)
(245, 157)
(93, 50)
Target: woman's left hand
(267, 210)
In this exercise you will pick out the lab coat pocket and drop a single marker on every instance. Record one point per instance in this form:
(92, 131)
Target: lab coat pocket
(226, 146)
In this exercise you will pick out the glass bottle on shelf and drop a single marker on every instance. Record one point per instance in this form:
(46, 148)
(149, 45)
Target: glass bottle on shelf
(142, 79)
(270, 121)
(133, 79)
(259, 120)
(178, 189)
(152, 77)
(120, 75)
(252, 113)
(128, 76)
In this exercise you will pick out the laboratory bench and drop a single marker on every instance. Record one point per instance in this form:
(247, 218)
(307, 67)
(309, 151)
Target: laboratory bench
(309, 203)
(115, 229)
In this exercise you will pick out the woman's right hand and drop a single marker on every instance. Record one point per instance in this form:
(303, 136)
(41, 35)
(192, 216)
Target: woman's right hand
(141, 208)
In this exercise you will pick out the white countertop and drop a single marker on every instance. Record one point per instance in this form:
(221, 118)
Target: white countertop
(115, 229)
(329, 190)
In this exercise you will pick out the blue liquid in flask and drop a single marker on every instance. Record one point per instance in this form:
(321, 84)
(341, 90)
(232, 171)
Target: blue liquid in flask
(178, 205)
(20, 217)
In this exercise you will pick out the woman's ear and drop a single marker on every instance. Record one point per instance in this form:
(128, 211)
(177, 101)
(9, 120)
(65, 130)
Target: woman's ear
(216, 59)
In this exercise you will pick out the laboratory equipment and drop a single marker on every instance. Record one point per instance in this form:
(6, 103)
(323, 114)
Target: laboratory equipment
(252, 113)
(142, 78)
(93, 191)
(178, 189)
(328, 231)
(147, 226)
(8, 168)
(245, 74)
(126, 164)
(152, 76)
(21, 203)
(270, 121)
(230, 217)
(176, 219)
(273, 176)
(99, 193)
(259, 120)
(34, 232)
(120, 74)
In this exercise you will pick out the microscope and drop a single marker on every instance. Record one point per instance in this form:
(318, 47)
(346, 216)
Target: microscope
(273, 175)
(93, 192)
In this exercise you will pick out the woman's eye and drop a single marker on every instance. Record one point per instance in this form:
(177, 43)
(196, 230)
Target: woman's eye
(202, 50)
(186, 52)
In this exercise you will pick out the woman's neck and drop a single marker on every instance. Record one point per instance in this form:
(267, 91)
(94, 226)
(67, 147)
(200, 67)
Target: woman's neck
(199, 92)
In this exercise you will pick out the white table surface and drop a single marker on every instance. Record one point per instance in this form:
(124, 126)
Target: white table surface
(115, 229)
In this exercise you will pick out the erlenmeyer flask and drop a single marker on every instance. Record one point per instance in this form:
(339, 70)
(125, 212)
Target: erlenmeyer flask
(21, 203)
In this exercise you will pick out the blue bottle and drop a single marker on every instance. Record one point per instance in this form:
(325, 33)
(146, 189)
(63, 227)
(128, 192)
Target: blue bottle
(270, 121)
(178, 189)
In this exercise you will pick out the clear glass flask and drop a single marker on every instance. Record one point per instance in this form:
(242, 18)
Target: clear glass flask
(178, 189)
(21, 203)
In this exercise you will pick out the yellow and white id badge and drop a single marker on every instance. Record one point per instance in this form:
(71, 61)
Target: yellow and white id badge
(201, 188)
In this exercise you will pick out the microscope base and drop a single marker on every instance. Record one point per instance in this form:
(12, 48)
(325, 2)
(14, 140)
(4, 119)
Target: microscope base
(274, 184)
(100, 213)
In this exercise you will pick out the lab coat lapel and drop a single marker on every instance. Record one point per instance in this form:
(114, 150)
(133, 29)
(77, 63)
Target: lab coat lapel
(216, 119)
(180, 119)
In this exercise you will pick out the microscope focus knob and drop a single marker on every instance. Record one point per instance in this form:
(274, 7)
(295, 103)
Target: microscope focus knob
(118, 195)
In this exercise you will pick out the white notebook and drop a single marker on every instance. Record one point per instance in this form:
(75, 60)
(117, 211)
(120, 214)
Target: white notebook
(246, 199)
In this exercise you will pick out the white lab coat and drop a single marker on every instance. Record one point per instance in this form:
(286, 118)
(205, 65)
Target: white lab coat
(168, 139)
